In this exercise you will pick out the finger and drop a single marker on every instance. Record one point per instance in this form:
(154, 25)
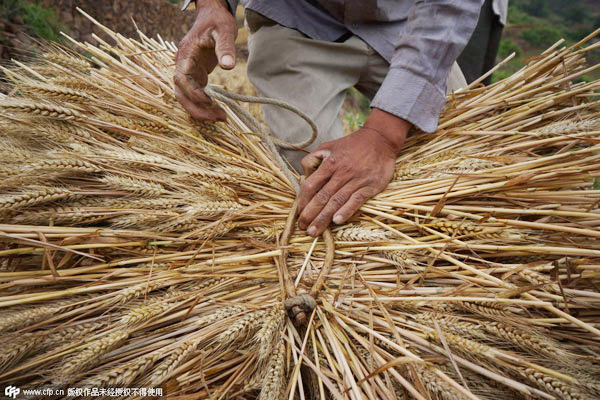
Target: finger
(315, 180)
(319, 201)
(212, 113)
(310, 187)
(197, 67)
(191, 77)
(312, 161)
(183, 52)
(187, 88)
(337, 201)
(356, 200)
(224, 46)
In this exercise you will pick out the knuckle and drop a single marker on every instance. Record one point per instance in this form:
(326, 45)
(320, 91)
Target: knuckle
(178, 79)
(305, 163)
(338, 199)
(322, 197)
(307, 187)
(346, 169)
(331, 160)
(226, 29)
(364, 182)
(184, 43)
(359, 197)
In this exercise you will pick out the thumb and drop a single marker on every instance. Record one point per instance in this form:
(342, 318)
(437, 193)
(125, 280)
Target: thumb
(224, 47)
(311, 162)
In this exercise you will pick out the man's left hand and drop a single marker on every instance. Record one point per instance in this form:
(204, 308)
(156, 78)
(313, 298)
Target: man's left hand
(344, 173)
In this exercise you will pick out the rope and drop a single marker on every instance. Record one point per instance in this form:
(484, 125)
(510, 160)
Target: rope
(297, 306)
(255, 126)
(214, 90)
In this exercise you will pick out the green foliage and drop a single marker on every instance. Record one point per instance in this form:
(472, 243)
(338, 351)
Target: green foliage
(501, 74)
(534, 25)
(507, 47)
(578, 34)
(42, 22)
(516, 16)
(355, 120)
(596, 184)
(356, 109)
(537, 8)
(575, 14)
(583, 78)
(542, 36)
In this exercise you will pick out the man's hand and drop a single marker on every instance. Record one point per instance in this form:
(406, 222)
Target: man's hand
(344, 173)
(211, 41)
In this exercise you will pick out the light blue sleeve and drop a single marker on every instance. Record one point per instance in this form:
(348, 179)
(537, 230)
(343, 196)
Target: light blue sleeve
(415, 87)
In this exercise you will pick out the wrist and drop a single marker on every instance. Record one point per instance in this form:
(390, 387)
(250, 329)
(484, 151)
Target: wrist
(212, 3)
(198, 4)
(392, 129)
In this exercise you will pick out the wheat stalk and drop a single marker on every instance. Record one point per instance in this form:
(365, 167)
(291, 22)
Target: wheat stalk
(33, 197)
(123, 375)
(273, 382)
(90, 355)
(474, 273)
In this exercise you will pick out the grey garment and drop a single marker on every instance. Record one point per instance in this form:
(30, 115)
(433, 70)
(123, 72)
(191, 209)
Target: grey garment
(313, 75)
(479, 56)
(420, 39)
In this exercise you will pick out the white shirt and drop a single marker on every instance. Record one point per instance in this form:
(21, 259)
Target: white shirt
(501, 9)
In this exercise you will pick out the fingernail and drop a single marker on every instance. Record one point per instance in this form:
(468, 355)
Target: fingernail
(338, 219)
(312, 231)
(227, 61)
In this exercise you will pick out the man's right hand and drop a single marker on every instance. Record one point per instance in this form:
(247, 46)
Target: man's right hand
(211, 41)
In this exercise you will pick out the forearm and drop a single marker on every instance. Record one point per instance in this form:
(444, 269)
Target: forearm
(230, 4)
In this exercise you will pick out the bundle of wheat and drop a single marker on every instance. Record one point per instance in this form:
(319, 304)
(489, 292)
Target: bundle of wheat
(141, 249)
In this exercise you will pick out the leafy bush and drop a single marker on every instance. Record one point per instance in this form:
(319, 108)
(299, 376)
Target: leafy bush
(508, 46)
(501, 74)
(575, 14)
(41, 21)
(538, 8)
(542, 36)
(583, 78)
(516, 16)
(355, 120)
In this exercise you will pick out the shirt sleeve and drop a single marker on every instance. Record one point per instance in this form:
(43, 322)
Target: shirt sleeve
(415, 86)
